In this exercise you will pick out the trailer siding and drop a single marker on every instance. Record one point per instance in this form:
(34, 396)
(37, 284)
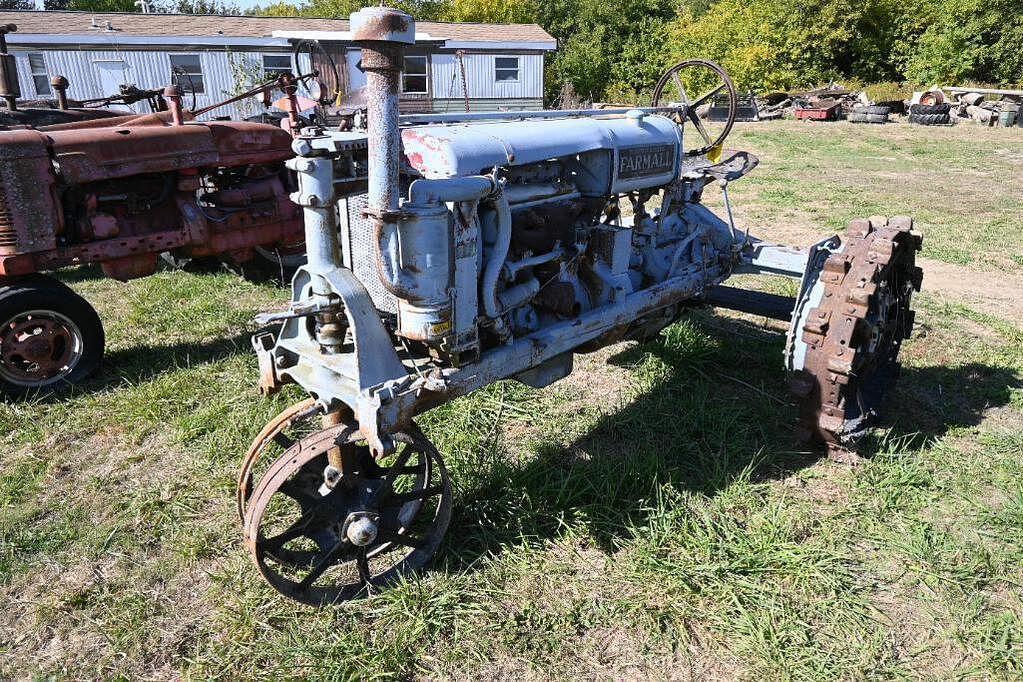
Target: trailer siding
(147, 69)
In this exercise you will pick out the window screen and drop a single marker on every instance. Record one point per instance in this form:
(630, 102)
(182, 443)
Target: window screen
(275, 64)
(41, 80)
(186, 71)
(413, 78)
(506, 69)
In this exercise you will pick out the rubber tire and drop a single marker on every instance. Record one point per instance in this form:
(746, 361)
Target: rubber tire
(930, 109)
(39, 292)
(930, 119)
(895, 106)
(856, 117)
(872, 110)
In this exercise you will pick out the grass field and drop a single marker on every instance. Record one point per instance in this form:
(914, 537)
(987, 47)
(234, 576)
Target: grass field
(648, 517)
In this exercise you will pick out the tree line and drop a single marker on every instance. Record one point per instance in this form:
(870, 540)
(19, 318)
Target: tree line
(615, 50)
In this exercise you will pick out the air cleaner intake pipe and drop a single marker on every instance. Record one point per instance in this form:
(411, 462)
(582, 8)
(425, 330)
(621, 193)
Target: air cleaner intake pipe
(382, 33)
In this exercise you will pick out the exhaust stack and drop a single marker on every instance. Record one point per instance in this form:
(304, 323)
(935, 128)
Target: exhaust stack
(9, 89)
(383, 33)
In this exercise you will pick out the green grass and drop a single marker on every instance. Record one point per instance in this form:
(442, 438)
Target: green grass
(648, 517)
(954, 181)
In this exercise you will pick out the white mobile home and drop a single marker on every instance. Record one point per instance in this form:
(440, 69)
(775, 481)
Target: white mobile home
(214, 57)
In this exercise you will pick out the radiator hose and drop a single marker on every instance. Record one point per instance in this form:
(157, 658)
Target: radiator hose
(494, 304)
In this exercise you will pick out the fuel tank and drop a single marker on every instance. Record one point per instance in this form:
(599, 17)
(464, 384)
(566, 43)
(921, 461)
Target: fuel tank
(611, 155)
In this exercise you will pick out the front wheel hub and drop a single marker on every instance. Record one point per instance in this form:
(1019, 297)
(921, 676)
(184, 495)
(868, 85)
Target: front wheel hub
(361, 529)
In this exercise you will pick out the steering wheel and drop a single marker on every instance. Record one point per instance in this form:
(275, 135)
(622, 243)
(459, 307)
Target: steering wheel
(318, 88)
(696, 73)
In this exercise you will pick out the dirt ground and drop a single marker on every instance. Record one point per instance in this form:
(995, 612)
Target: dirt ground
(995, 292)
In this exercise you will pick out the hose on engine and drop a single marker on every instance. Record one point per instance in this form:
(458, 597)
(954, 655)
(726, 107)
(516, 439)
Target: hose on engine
(498, 255)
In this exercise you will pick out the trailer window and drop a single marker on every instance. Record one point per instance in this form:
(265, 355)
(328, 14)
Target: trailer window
(40, 79)
(506, 69)
(275, 65)
(186, 72)
(413, 77)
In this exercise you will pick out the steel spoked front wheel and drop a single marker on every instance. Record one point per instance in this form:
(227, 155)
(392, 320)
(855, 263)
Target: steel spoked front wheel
(282, 432)
(320, 534)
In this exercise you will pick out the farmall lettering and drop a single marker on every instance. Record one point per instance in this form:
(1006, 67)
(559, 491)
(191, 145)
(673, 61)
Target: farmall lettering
(467, 263)
(635, 162)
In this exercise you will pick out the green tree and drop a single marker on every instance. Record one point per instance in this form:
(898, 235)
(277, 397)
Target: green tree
(606, 46)
(969, 40)
(421, 9)
(17, 4)
(490, 11)
(91, 5)
(203, 7)
(771, 44)
(276, 9)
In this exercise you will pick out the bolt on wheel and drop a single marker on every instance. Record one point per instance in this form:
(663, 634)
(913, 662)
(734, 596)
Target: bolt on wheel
(320, 534)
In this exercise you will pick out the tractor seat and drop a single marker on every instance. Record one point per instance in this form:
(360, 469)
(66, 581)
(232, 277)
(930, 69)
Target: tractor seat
(732, 166)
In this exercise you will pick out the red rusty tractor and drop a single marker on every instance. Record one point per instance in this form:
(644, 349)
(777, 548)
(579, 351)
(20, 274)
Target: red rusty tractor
(119, 192)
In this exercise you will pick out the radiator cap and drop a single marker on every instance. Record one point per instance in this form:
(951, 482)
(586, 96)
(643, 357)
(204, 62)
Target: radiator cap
(635, 115)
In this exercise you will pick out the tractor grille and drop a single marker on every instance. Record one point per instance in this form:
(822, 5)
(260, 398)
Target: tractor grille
(359, 252)
(8, 231)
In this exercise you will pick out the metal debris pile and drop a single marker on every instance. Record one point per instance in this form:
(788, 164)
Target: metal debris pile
(936, 106)
(831, 103)
(988, 106)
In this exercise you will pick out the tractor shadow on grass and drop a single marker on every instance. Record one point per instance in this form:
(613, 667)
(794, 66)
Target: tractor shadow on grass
(78, 274)
(142, 363)
(717, 411)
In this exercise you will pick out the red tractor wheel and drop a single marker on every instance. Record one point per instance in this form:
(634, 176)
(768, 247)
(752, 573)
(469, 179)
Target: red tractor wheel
(50, 337)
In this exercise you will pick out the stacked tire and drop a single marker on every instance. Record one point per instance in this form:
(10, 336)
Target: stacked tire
(930, 114)
(864, 114)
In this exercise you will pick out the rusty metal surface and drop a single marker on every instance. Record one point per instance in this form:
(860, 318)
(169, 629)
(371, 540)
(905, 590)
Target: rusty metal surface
(30, 215)
(121, 194)
(854, 335)
(382, 24)
(102, 118)
(120, 152)
(241, 143)
(37, 346)
(274, 431)
(60, 86)
(9, 89)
